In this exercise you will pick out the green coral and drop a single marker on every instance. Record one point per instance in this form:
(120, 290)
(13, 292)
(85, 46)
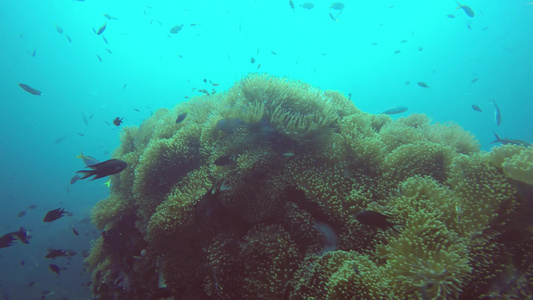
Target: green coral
(276, 221)
(520, 166)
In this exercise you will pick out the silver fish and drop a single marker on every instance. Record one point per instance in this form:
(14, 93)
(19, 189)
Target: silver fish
(497, 113)
(395, 110)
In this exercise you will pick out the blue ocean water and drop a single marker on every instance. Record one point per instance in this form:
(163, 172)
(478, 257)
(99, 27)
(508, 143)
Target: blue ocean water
(371, 50)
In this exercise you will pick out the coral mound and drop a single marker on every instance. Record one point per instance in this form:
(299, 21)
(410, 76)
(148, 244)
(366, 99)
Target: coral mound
(253, 196)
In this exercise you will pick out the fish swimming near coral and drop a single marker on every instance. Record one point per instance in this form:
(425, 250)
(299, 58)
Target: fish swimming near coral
(103, 169)
(510, 141)
(375, 219)
(54, 214)
(29, 89)
(395, 110)
(469, 12)
(117, 121)
(181, 117)
(497, 113)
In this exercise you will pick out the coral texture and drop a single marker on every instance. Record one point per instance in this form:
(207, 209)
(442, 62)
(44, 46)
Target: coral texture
(255, 196)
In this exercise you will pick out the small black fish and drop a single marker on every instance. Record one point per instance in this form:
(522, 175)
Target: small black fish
(22, 235)
(33, 206)
(291, 4)
(332, 17)
(225, 160)
(68, 38)
(474, 80)
(34, 52)
(252, 60)
(273, 52)
(124, 86)
(181, 117)
(80, 134)
(55, 269)
(108, 51)
(54, 215)
(422, 84)
(373, 218)
(101, 29)
(6, 240)
(103, 169)
(99, 58)
(476, 108)
(21, 214)
(105, 40)
(29, 89)
(117, 121)
(75, 231)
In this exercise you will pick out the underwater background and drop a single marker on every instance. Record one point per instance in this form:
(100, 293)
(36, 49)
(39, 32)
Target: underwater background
(375, 51)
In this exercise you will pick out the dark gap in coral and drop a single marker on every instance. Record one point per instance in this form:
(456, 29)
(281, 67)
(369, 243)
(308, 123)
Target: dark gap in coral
(298, 196)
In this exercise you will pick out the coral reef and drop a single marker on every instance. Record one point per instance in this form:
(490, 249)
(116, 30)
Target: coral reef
(253, 196)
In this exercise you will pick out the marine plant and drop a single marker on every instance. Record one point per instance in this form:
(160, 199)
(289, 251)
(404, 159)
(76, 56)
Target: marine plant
(276, 220)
